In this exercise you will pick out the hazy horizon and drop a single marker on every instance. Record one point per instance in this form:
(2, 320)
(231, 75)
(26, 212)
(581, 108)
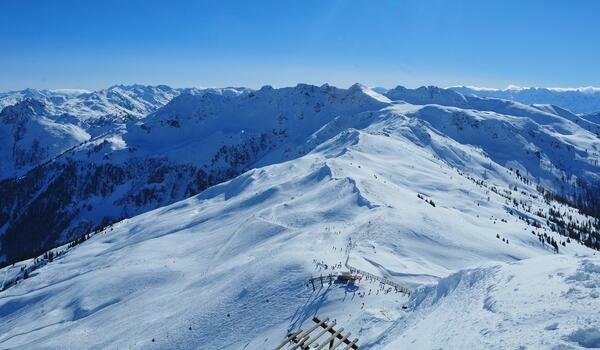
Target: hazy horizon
(593, 89)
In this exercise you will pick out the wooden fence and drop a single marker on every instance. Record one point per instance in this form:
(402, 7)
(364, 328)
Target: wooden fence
(304, 340)
(397, 286)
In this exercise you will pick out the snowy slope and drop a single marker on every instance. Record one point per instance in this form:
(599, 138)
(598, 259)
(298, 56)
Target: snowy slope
(578, 100)
(592, 117)
(543, 303)
(227, 269)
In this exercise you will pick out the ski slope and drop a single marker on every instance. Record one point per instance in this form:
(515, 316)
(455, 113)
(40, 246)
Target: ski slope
(227, 268)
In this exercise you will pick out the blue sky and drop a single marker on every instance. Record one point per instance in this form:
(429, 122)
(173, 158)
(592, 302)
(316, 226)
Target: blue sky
(95, 44)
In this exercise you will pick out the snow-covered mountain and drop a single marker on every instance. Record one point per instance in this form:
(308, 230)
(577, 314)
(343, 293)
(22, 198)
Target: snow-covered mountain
(237, 197)
(544, 114)
(53, 96)
(578, 100)
(119, 102)
(38, 125)
(192, 143)
(31, 135)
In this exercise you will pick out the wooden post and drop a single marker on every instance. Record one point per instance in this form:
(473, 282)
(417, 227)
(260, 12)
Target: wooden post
(288, 339)
(301, 341)
(320, 334)
(333, 336)
(308, 331)
(352, 345)
(342, 341)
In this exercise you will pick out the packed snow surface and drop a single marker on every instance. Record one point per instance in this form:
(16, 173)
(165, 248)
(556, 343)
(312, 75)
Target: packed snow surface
(548, 302)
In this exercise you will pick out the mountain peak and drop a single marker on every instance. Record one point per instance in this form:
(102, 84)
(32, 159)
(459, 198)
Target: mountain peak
(27, 108)
(427, 95)
(363, 90)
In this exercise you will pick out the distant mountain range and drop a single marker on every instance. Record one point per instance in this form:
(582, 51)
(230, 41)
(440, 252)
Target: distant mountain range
(116, 102)
(578, 100)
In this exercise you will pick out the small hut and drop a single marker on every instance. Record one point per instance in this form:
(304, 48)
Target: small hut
(348, 277)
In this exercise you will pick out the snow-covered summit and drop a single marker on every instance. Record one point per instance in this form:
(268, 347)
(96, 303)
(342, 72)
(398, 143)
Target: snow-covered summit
(427, 95)
(299, 110)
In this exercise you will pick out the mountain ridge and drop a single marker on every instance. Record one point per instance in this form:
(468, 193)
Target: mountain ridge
(577, 100)
(153, 161)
